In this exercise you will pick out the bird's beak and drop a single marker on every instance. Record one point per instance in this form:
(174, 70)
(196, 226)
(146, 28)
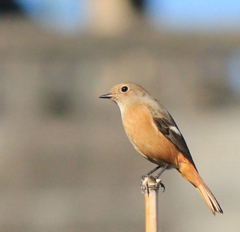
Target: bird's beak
(107, 96)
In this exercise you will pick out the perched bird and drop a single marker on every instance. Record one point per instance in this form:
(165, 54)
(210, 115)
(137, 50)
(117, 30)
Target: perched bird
(155, 135)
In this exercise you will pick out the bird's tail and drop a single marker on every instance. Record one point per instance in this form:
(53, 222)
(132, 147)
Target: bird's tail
(209, 198)
(190, 174)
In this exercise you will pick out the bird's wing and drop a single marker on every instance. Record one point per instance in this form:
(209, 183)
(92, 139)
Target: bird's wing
(167, 126)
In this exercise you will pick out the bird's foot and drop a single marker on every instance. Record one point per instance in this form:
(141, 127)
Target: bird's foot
(162, 186)
(148, 182)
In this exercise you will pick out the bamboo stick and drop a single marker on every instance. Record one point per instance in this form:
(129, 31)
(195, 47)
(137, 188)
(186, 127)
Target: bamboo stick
(150, 187)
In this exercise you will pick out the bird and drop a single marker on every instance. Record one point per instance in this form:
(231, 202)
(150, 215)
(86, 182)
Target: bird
(155, 135)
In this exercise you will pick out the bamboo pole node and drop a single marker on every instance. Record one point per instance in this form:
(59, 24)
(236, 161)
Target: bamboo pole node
(149, 187)
(150, 183)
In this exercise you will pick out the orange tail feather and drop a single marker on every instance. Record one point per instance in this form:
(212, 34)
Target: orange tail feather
(209, 199)
(190, 174)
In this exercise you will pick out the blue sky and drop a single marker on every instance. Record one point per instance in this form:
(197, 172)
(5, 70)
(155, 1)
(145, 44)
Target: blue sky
(196, 15)
(175, 15)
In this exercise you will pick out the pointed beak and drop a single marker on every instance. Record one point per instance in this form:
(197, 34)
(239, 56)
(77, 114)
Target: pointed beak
(107, 96)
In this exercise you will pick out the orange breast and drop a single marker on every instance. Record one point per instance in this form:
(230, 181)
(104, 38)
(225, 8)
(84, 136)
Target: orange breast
(146, 138)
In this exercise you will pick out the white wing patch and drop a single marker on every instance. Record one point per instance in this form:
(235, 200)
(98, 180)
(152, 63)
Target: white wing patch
(175, 129)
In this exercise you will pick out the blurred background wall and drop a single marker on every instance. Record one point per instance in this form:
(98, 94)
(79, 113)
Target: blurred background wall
(66, 164)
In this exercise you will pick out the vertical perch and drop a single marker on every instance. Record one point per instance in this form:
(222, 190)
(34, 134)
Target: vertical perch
(150, 187)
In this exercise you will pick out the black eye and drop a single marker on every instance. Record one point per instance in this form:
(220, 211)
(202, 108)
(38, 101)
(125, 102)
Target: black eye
(124, 89)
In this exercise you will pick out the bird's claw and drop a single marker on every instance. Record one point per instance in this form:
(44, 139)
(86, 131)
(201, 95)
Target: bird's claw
(162, 186)
(148, 182)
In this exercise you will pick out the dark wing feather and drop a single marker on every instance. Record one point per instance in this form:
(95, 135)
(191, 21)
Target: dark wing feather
(165, 123)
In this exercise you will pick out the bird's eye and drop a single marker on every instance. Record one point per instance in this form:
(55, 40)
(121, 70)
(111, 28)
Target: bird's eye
(124, 89)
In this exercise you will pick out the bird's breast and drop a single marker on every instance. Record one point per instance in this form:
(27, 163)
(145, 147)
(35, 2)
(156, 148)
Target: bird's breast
(146, 138)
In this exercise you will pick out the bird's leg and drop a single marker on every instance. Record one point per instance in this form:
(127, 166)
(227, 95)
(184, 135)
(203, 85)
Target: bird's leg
(158, 175)
(161, 172)
(143, 187)
(152, 171)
